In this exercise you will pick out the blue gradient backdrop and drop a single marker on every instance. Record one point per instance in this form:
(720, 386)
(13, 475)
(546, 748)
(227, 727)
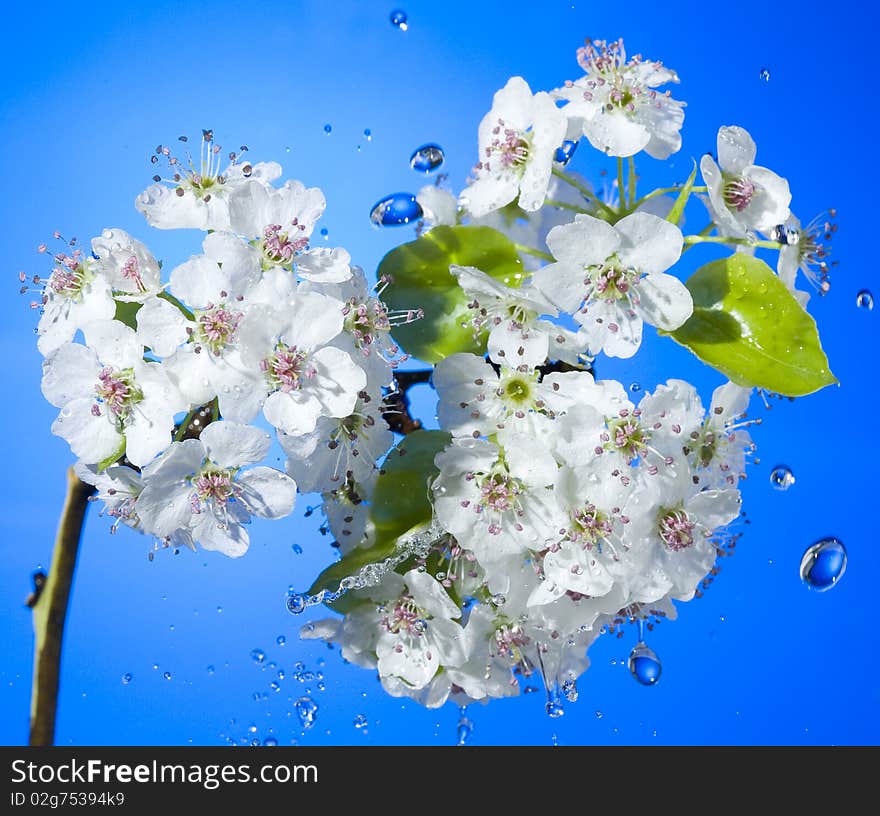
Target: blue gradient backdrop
(87, 93)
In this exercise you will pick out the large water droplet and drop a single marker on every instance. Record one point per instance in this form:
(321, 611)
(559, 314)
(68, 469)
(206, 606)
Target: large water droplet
(823, 564)
(307, 711)
(764, 75)
(565, 151)
(865, 300)
(644, 664)
(465, 727)
(781, 477)
(258, 655)
(396, 209)
(554, 706)
(426, 158)
(398, 19)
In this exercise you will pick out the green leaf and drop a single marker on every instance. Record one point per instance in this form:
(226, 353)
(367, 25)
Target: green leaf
(401, 502)
(749, 326)
(678, 208)
(421, 279)
(126, 312)
(113, 458)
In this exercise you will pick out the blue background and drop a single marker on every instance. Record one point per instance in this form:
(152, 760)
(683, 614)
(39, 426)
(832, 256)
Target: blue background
(87, 93)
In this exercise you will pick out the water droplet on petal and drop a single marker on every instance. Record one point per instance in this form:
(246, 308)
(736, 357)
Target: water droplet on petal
(427, 158)
(765, 75)
(307, 711)
(258, 655)
(781, 477)
(398, 19)
(360, 721)
(644, 664)
(126, 678)
(823, 564)
(396, 209)
(565, 151)
(865, 300)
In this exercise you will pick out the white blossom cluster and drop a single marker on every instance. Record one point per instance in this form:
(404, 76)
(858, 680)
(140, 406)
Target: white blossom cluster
(157, 382)
(566, 507)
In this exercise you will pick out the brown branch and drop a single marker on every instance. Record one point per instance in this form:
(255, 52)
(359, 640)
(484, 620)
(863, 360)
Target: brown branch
(49, 603)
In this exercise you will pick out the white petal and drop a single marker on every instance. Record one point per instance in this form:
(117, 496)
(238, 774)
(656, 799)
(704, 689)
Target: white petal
(324, 265)
(489, 193)
(714, 508)
(585, 241)
(770, 203)
(616, 134)
(664, 301)
(232, 539)
(231, 444)
(199, 281)
(428, 593)
(736, 149)
(514, 347)
(268, 492)
(650, 244)
(91, 438)
(312, 320)
(161, 327)
(115, 343)
(439, 207)
(293, 413)
(69, 373)
(528, 459)
(336, 382)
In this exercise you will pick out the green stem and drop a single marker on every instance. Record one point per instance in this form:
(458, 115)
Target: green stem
(175, 302)
(663, 191)
(723, 239)
(536, 252)
(632, 182)
(50, 612)
(187, 421)
(705, 231)
(564, 205)
(621, 185)
(586, 192)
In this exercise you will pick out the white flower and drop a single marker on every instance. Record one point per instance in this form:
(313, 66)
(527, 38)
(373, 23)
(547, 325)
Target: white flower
(199, 485)
(684, 519)
(130, 267)
(743, 197)
(475, 400)
(198, 195)
(613, 279)
(75, 293)
(339, 449)
(497, 498)
(617, 105)
(112, 402)
(805, 248)
(347, 511)
(516, 336)
(517, 141)
(282, 220)
(118, 486)
(291, 371)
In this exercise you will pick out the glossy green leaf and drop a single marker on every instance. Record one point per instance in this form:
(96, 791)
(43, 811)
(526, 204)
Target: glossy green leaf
(749, 326)
(421, 279)
(400, 502)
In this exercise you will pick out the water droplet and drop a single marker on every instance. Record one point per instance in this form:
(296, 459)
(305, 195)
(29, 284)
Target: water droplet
(258, 655)
(635, 387)
(465, 727)
(765, 75)
(211, 670)
(295, 603)
(127, 678)
(167, 675)
(786, 235)
(360, 721)
(274, 686)
(565, 151)
(427, 158)
(270, 742)
(328, 128)
(368, 134)
(395, 209)
(569, 689)
(498, 600)
(307, 711)
(644, 664)
(325, 233)
(823, 564)
(281, 640)
(398, 19)
(599, 714)
(865, 300)
(781, 477)
(297, 549)
(554, 706)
